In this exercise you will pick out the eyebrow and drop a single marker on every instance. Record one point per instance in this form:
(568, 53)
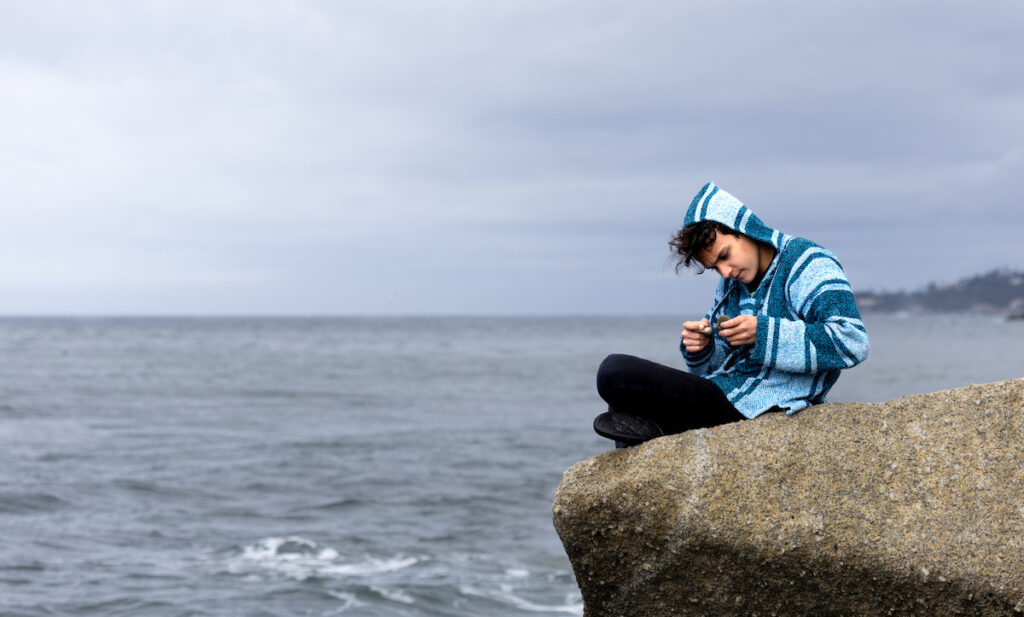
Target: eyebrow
(721, 254)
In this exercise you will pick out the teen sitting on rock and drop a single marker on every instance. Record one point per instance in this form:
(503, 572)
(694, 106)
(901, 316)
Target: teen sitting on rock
(784, 322)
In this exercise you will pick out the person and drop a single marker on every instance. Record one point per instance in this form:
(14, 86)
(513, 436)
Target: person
(783, 324)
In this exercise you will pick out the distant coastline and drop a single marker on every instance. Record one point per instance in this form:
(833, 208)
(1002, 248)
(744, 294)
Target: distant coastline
(996, 292)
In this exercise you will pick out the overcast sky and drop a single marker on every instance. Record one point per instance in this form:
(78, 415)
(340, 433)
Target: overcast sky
(498, 156)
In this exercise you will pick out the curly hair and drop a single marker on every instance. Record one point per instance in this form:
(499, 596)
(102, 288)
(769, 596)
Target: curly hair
(691, 240)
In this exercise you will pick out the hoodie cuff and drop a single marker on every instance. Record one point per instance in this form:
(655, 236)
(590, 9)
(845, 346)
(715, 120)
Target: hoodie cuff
(764, 326)
(702, 356)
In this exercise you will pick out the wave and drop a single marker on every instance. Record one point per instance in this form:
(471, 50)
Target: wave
(332, 506)
(573, 603)
(301, 559)
(347, 601)
(395, 595)
(30, 503)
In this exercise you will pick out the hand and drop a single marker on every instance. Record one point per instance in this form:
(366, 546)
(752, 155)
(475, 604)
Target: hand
(693, 340)
(741, 330)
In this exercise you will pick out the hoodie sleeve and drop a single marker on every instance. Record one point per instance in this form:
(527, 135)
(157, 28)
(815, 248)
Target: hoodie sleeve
(707, 360)
(830, 333)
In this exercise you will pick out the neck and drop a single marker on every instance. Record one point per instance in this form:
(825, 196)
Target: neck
(766, 253)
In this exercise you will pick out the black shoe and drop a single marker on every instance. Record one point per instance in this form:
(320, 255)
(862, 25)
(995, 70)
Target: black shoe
(628, 429)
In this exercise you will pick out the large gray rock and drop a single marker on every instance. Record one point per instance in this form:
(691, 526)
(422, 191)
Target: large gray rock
(910, 507)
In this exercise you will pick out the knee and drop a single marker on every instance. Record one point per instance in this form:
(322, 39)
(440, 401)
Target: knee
(609, 374)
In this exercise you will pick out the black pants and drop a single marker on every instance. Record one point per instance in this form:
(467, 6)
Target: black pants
(678, 401)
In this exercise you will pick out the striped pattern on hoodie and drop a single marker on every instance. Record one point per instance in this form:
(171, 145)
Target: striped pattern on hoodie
(808, 325)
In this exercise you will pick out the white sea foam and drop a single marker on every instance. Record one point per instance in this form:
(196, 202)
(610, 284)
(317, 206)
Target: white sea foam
(300, 558)
(348, 601)
(395, 595)
(572, 604)
(370, 566)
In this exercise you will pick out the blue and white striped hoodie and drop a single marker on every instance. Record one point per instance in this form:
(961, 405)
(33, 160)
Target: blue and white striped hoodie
(808, 325)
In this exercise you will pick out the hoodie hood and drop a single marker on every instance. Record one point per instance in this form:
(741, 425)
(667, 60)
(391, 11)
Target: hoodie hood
(714, 204)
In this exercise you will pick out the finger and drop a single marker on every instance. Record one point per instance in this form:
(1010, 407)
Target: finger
(697, 330)
(739, 340)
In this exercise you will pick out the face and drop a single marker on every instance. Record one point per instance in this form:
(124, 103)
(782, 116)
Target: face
(734, 257)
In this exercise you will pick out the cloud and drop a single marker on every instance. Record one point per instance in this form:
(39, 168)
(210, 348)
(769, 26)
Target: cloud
(455, 156)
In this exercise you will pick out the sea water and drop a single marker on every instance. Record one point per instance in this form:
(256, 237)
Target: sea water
(350, 466)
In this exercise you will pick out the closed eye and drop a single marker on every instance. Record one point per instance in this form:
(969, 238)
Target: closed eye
(721, 257)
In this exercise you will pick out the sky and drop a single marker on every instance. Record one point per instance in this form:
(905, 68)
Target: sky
(507, 157)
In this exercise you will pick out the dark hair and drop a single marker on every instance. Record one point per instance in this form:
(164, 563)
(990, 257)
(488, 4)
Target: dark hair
(693, 239)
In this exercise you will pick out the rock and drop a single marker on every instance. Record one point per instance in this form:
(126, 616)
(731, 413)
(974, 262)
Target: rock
(909, 507)
(721, 320)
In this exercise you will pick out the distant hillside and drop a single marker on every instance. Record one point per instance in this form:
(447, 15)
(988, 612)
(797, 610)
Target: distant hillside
(998, 291)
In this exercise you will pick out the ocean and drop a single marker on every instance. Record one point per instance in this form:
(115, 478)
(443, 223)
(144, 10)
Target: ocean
(338, 466)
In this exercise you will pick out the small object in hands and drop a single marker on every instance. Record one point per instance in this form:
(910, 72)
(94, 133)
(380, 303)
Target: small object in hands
(721, 320)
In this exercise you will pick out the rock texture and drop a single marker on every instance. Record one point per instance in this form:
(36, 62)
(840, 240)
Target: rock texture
(910, 507)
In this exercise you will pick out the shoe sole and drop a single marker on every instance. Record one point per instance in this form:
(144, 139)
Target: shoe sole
(626, 428)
